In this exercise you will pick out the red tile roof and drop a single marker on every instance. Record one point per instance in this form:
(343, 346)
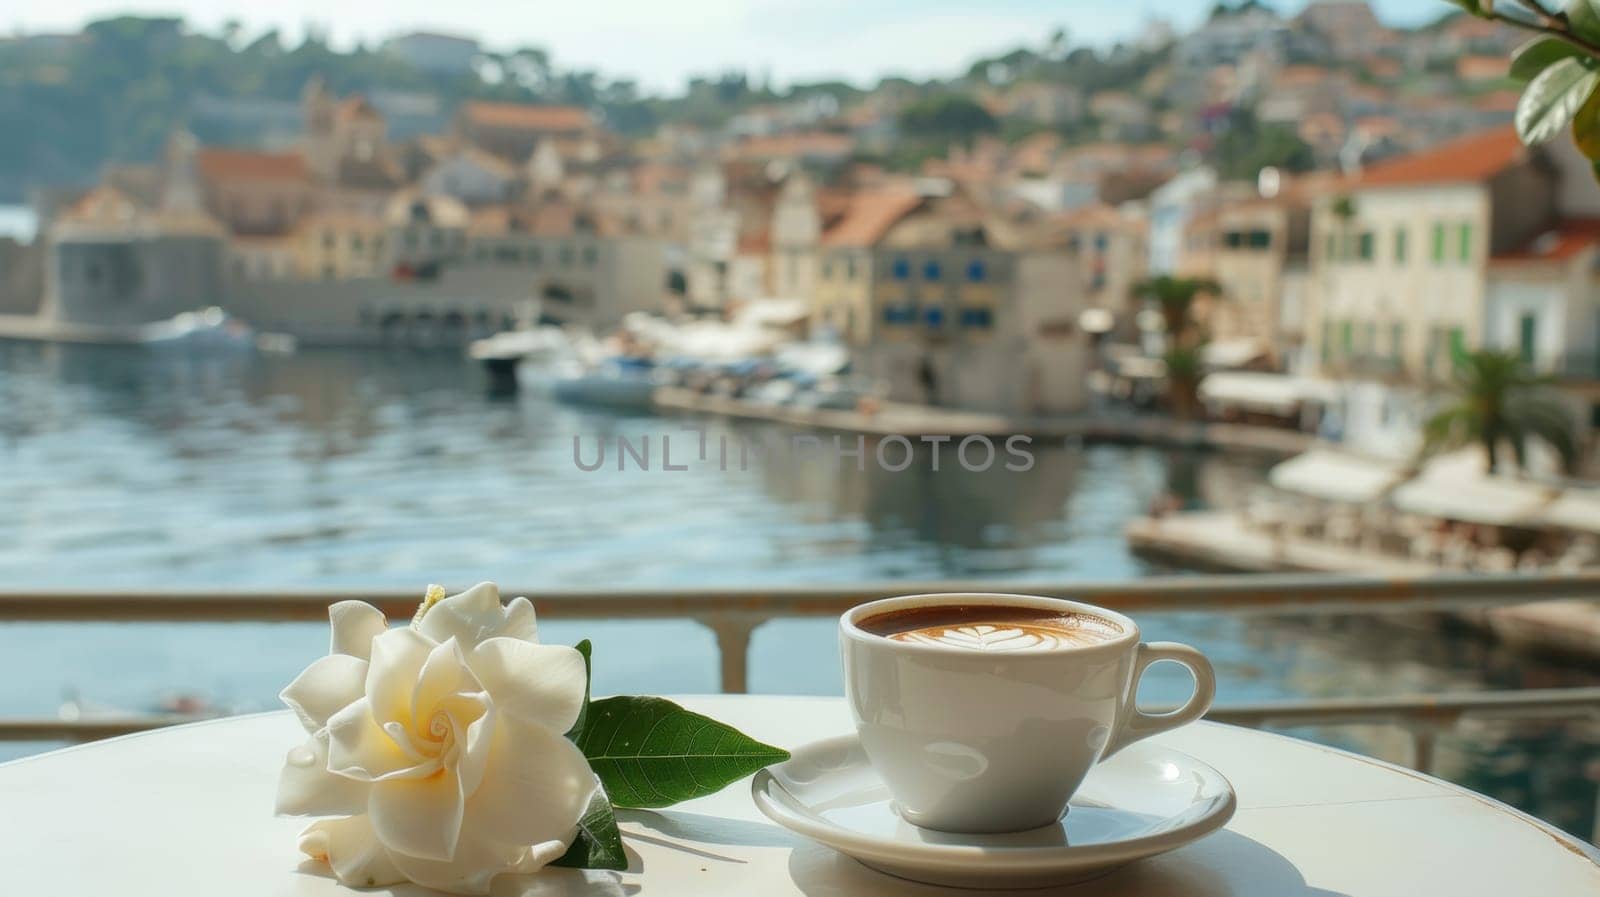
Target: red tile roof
(871, 215)
(523, 117)
(1565, 240)
(249, 165)
(1471, 159)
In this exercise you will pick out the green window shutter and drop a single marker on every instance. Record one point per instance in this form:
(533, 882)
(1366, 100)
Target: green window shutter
(1458, 344)
(1347, 338)
(1528, 337)
(1466, 243)
(1438, 244)
(1366, 249)
(1397, 341)
(1400, 246)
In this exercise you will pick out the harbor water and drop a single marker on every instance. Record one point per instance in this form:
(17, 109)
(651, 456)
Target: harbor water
(138, 468)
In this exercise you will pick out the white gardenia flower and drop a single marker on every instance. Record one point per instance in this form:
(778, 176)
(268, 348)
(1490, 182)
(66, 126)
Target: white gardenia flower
(440, 746)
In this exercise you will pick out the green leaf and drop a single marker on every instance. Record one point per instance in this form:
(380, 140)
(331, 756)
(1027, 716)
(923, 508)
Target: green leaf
(585, 649)
(1537, 55)
(1551, 101)
(649, 752)
(1584, 18)
(598, 844)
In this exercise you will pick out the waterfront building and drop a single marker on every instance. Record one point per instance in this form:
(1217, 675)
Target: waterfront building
(472, 176)
(1413, 260)
(1261, 263)
(339, 246)
(950, 304)
(113, 264)
(1110, 245)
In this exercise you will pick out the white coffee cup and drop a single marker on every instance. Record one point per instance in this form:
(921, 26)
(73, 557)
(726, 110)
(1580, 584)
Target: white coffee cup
(975, 740)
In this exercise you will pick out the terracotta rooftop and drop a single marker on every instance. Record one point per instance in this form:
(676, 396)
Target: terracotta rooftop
(523, 117)
(250, 165)
(871, 215)
(1471, 159)
(1565, 240)
(789, 146)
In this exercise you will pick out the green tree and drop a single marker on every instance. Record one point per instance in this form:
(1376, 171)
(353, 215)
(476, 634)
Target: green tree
(950, 116)
(1497, 402)
(1175, 297)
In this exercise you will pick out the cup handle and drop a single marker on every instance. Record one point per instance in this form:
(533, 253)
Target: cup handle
(1133, 725)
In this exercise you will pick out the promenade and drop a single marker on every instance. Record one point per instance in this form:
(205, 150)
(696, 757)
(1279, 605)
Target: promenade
(913, 421)
(1219, 540)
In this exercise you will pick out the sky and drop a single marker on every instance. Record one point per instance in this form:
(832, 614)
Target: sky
(660, 43)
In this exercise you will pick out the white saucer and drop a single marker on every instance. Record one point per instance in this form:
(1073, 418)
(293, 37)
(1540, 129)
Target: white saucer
(1145, 800)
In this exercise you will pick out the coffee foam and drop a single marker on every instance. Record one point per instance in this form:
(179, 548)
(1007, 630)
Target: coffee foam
(1012, 635)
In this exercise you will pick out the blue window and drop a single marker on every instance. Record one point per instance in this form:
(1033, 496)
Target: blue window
(976, 271)
(901, 269)
(933, 316)
(930, 270)
(899, 314)
(1101, 241)
(977, 317)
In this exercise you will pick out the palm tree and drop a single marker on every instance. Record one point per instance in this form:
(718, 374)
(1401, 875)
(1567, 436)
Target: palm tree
(1175, 297)
(1499, 400)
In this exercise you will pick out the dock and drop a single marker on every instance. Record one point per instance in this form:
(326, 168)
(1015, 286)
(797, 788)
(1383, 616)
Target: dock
(914, 421)
(1219, 540)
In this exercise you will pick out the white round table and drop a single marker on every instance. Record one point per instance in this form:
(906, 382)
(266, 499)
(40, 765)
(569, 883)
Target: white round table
(187, 811)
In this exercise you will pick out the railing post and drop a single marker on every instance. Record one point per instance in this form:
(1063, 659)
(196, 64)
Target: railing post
(732, 633)
(1422, 744)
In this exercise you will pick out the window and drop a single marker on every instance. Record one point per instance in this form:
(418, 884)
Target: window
(1369, 339)
(933, 316)
(1347, 338)
(1260, 239)
(850, 269)
(356, 243)
(327, 272)
(1074, 243)
(1366, 246)
(1327, 341)
(1464, 248)
(901, 269)
(1438, 243)
(1528, 337)
(899, 314)
(1101, 241)
(1397, 341)
(827, 270)
(977, 318)
(565, 255)
(1400, 246)
(534, 256)
(976, 272)
(931, 270)
(1458, 345)
(329, 239)
(591, 256)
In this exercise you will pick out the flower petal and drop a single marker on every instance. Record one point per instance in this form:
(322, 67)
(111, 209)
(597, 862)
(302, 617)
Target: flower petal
(307, 788)
(477, 741)
(535, 788)
(480, 856)
(521, 622)
(444, 673)
(350, 849)
(355, 624)
(470, 617)
(397, 659)
(359, 748)
(324, 688)
(418, 817)
(541, 684)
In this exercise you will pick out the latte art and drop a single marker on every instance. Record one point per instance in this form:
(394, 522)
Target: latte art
(992, 628)
(989, 637)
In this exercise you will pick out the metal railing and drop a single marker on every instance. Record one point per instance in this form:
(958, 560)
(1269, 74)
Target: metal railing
(733, 614)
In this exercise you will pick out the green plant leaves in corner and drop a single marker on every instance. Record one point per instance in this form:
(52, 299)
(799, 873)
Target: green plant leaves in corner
(1554, 97)
(1539, 54)
(586, 650)
(649, 752)
(598, 844)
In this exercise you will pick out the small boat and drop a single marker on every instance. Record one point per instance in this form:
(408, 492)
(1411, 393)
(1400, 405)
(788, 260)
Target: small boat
(211, 329)
(627, 384)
